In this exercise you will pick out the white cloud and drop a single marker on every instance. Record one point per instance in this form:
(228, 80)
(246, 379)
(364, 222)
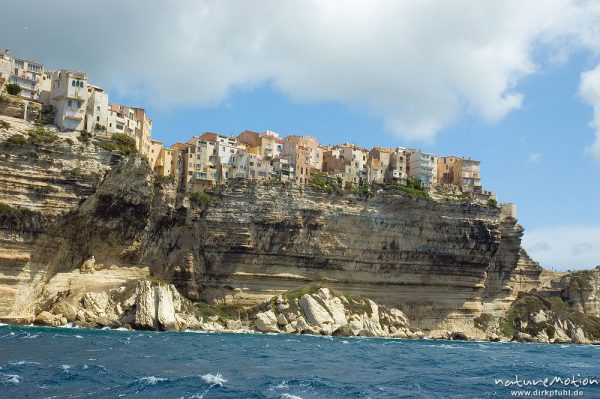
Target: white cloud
(416, 65)
(564, 247)
(589, 89)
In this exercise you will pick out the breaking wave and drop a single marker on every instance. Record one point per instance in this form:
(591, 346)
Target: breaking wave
(214, 379)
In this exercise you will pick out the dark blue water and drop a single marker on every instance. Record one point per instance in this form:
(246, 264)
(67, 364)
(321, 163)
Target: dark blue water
(79, 363)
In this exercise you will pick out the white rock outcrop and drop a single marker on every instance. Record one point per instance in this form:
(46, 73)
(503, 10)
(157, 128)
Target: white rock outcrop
(266, 321)
(155, 306)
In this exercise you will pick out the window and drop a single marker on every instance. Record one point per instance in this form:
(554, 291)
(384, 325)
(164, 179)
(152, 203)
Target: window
(73, 83)
(69, 103)
(97, 119)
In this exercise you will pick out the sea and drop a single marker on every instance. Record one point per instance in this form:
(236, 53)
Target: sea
(38, 362)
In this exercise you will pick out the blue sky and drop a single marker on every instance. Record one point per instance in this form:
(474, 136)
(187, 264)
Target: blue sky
(514, 84)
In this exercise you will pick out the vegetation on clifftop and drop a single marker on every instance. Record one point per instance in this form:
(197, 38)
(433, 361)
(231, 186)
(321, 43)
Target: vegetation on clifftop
(201, 198)
(120, 143)
(13, 89)
(323, 183)
(37, 136)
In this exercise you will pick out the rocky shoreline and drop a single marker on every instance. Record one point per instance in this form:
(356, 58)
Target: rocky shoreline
(312, 310)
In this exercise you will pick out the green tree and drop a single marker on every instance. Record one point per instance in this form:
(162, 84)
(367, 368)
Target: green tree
(13, 89)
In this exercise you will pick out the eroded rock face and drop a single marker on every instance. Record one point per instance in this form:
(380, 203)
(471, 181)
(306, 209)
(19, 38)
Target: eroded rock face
(48, 319)
(154, 307)
(38, 184)
(581, 290)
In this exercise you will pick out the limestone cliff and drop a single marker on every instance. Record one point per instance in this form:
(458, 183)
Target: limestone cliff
(441, 263)
(78, 252)
(43, 175)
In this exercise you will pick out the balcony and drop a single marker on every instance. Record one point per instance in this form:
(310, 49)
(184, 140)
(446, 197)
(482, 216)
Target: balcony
(76, 94)
(77, 115)
(24, 76)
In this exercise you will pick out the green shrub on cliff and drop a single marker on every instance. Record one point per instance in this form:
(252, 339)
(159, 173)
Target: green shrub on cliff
(160, 181)
(492, 202)
(13, 89)
(84, 137)
(16, 140)
(119, 142)
(39, 135)
(323, 183)
(366, 190)
(17, 214)
(222, 311)
(200, 198)
(413, 188)
(484, 321)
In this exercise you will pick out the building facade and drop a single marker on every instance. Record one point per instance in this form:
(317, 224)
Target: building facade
(97, 112)
(68, 96)
(27, 74)
(423, 166)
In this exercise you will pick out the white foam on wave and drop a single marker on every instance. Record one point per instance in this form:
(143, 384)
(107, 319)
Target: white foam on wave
(214, 379)
(345, 342)
(290, 396)
(446, 346)
(65, 367)
(21, 363)
(152, 380)
(78, 336)
(9, 378)
(3, 324)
